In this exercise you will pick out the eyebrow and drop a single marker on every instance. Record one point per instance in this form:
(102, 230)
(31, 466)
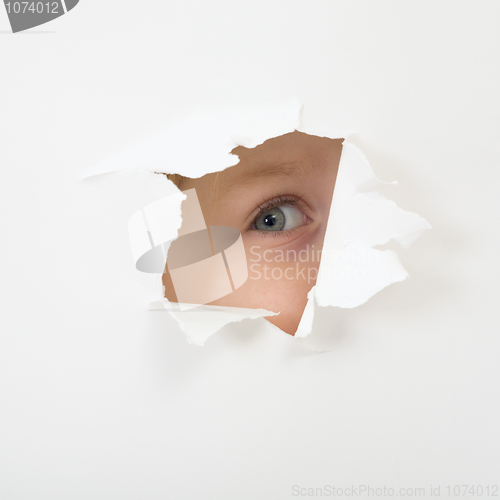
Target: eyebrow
(288, 169)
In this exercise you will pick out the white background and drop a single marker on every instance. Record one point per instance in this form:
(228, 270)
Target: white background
(102, 399)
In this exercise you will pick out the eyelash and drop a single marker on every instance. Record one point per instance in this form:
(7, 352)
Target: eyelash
(273, 203)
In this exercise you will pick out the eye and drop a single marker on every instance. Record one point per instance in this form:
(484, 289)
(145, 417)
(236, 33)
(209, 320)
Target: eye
(280, 218)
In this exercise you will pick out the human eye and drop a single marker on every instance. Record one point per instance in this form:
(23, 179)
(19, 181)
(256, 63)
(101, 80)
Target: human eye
(280, 215)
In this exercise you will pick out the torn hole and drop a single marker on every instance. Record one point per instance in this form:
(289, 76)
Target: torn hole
(278, 197)
(322, 251)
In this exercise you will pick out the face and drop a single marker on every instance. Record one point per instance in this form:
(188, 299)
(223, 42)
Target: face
(279, 197)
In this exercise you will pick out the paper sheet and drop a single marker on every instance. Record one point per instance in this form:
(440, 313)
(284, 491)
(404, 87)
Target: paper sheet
(351, 269)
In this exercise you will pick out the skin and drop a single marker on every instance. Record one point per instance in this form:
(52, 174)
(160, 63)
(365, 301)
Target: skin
(296, 167)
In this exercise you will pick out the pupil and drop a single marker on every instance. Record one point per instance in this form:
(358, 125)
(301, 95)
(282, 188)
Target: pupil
(270, 220)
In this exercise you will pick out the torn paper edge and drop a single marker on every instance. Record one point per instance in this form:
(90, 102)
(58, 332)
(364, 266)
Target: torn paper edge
(351, 269)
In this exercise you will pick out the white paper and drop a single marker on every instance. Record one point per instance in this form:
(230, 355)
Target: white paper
(351, 271)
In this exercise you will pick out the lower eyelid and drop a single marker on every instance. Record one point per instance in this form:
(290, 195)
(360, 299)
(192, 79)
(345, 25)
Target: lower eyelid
(282, 233)
(280, 237)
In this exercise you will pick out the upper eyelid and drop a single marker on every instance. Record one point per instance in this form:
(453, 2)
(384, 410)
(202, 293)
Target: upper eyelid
(278, 202)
